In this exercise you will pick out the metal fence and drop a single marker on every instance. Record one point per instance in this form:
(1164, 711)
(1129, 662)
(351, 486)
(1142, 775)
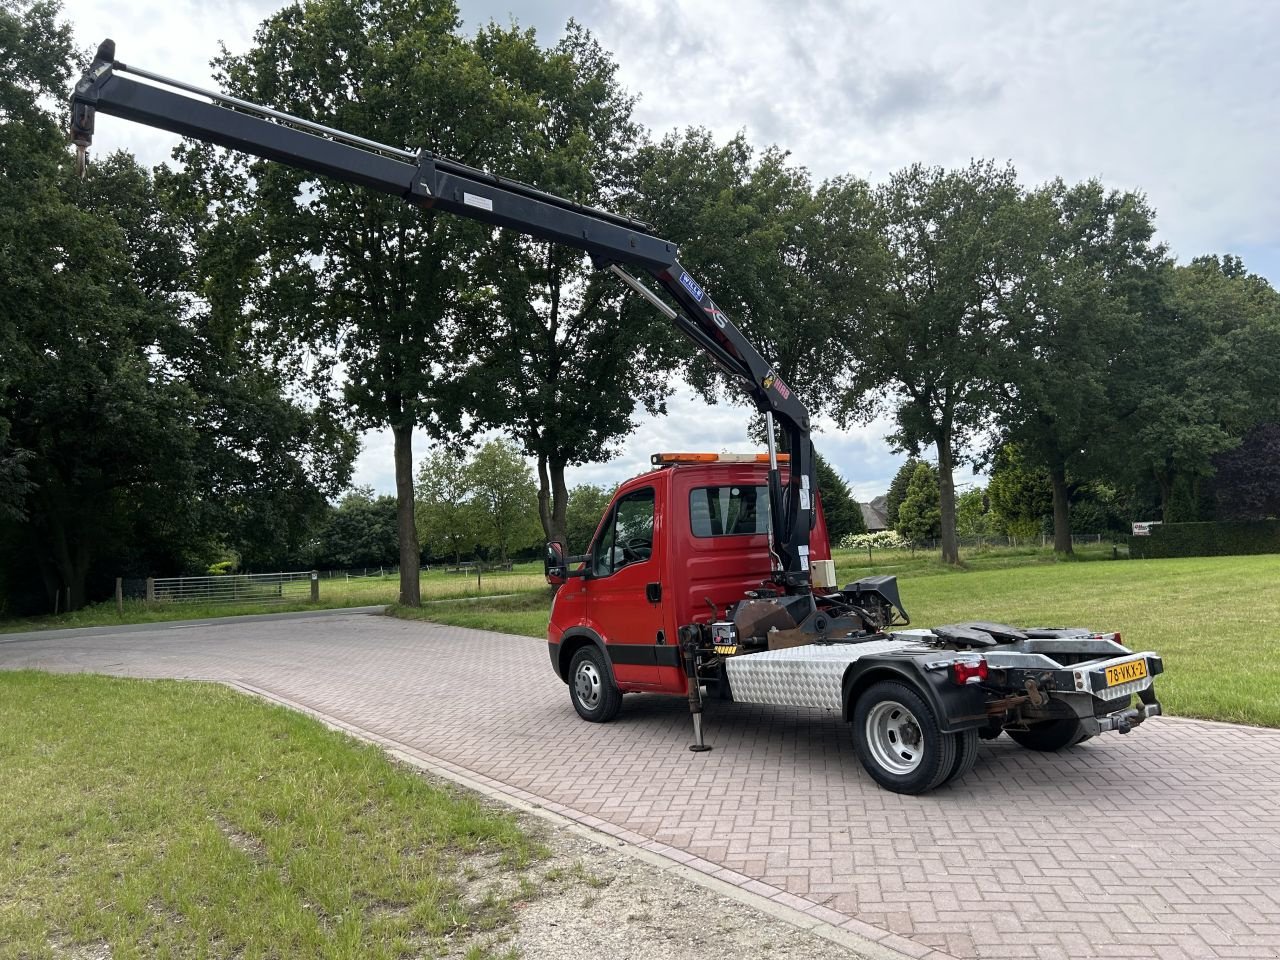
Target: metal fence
(232, 588)
(1039, 540)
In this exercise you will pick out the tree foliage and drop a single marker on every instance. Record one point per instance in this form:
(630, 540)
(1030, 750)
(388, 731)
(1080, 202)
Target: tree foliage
(1090, 269)
(131, 439)
(1247, 484)
(1198, 375)
(1020, 494)
(361, 532)
(841, 511)
(927, 346)
(920, 515)
(552, 355)
(972, 514)
(587, 503)
(448, 524)
(505, 498)
(786, 259)
(898, 490)
(334, 272)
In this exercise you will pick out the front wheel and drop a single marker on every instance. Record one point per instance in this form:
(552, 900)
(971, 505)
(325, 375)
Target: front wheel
(899, 741)
(591, 688)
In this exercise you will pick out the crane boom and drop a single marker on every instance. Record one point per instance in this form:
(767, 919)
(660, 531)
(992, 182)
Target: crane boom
(435, 182)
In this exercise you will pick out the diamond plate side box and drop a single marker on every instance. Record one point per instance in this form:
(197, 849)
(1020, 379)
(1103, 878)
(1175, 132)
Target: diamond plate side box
(808, 676)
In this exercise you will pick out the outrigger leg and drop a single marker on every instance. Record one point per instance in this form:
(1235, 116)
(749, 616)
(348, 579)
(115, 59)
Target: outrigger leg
(689, 647)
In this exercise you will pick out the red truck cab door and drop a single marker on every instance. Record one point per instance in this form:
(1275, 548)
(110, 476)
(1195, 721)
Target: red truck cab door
(625, 590)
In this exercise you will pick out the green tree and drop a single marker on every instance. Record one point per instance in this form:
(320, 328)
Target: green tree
(898, 490)
(788, 262)
(361, 532)
(1196, 377)
(446, 514)
(920, 515)
(971, 513)
(1090, 268)
(926, 347)
(1020, 494)
(1247, 482)
(556, 359)
(505, 498)
(133, 430)
(587, 504)
(842, 513)
(333, 272)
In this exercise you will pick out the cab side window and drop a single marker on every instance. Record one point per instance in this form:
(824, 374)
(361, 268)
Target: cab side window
(627, 535)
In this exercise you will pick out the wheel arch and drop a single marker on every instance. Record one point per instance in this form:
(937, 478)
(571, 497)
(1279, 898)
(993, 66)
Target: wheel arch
(573, 640)
(956, 708)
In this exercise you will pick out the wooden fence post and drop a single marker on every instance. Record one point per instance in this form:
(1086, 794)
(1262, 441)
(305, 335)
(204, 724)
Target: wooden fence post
(120, 596)
(315, 586)
(151, 589)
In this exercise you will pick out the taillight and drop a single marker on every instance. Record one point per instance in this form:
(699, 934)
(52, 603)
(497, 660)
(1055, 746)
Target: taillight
(965, 672)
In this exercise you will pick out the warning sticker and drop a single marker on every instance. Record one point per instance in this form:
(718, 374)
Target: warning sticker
(471, 200)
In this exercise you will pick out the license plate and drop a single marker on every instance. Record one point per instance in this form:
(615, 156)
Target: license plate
(1126, 672)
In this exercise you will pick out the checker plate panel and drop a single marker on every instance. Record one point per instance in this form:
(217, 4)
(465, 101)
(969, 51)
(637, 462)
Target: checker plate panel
(808, 676)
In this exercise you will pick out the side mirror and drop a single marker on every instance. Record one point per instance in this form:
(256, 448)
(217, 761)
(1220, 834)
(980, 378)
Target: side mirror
(554, 564)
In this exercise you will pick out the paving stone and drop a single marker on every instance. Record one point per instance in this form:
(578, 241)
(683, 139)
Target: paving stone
(1162, 843)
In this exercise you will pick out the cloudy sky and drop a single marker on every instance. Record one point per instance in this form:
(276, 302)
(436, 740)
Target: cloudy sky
(1177, 99)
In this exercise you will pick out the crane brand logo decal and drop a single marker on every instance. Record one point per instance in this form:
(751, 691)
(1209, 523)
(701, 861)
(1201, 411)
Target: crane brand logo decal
(772, 381)
(691, 285)
(714, 313)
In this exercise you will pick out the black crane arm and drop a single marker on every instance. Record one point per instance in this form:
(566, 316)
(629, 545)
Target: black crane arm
(427, 180)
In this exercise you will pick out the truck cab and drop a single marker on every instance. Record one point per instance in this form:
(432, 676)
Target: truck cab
(677, 546)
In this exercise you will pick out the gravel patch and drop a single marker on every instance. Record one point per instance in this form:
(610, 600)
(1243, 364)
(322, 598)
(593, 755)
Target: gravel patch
(591, 900)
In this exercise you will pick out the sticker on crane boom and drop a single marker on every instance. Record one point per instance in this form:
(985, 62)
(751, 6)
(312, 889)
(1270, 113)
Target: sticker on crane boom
(771, 379)
(691, 285)
(471, 200)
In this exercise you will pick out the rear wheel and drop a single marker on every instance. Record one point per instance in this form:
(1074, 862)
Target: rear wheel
(1051, 735)
(899, 741)
(591, 688)
(966, 754)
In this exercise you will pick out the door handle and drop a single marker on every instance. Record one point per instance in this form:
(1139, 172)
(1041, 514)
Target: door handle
(653, 592)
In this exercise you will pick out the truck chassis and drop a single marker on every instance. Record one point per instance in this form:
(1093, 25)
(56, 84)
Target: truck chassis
(919, 701)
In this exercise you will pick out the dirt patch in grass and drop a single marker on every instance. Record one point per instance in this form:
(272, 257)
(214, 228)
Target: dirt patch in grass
(593, 899)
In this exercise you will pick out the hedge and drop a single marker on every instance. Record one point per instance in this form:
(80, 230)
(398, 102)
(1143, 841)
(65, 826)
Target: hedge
(1223, 538)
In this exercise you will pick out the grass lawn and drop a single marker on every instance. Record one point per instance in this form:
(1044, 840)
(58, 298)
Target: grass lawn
(1216, 620)
(167, 819)
(334, 592)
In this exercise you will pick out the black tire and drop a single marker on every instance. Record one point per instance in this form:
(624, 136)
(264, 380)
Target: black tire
(591, 686)
(898, 740)
(966, 754)
(1051, 735)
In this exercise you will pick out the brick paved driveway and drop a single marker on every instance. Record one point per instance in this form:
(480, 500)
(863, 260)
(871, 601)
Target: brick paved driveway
(1163, 843)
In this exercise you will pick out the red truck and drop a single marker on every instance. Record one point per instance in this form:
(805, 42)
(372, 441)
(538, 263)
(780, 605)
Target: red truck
(711, 572)
(674, 597)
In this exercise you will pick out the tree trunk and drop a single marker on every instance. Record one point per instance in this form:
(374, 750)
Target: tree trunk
(947, 496)
(553, 498)
(410, 551)
(1061, 509)
(1164, 480)
(70, 561)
